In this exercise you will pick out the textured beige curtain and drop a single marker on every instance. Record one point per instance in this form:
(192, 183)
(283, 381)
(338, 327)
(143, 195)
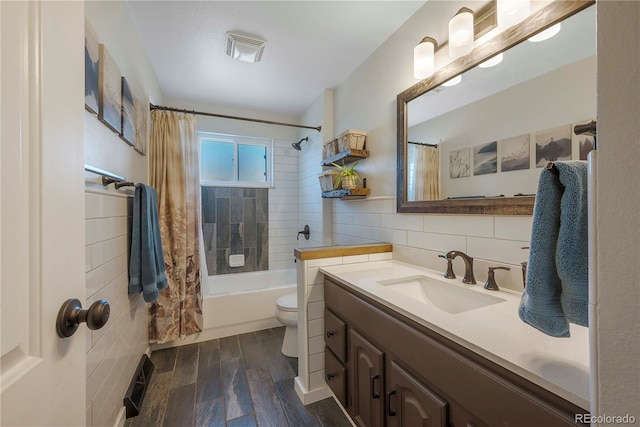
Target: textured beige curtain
(174, 173)
(427, 173)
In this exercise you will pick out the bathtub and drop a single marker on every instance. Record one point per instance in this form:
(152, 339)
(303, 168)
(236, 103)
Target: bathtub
(244, 302)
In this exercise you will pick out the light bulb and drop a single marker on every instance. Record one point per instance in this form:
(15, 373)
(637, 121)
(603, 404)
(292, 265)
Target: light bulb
(454, 81)
(493, 61)
(546, 34)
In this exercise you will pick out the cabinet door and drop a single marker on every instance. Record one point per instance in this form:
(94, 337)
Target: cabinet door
(412, 404)
(336, 376)
(335, 334)
(367, 365)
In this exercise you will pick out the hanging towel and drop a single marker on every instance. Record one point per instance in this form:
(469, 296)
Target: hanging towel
(146, 262)
(557, 274)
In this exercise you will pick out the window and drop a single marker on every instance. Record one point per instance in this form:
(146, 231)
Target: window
(230, 160)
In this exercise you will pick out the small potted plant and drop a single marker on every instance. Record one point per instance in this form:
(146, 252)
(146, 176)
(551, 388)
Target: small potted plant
(348, 176)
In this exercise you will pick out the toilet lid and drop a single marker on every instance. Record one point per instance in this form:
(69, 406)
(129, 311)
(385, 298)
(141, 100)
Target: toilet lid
(288, 302)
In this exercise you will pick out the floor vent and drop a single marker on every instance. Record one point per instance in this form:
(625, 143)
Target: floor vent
(138, 387)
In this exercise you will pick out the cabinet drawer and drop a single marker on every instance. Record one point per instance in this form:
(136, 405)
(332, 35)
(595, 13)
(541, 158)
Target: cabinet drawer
(336, 376)
(335, 334)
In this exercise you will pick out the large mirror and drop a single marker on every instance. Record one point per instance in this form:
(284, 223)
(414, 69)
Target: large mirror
(477, 147)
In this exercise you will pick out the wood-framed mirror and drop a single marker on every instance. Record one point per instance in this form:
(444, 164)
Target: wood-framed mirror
(483, 170)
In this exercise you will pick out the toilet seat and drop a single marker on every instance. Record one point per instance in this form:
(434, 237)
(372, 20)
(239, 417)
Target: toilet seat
(288, 302)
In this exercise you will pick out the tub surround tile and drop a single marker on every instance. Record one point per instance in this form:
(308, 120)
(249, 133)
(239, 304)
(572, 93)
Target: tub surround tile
(262, 205)
(263, 246)
(248, 192)
(236, 239)
(222, 223)
(236, 206)
(222, 262)
(208, 202)
(222, 192)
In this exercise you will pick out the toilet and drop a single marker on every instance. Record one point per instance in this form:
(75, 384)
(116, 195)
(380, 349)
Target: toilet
(287, 314)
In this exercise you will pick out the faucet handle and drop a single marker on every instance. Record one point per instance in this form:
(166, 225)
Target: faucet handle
(491, 279)
(449, 274)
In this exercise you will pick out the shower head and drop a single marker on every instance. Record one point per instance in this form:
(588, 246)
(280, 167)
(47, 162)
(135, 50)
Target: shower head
(296, 145)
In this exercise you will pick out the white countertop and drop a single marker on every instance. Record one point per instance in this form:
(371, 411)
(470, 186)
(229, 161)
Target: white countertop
(560, 365)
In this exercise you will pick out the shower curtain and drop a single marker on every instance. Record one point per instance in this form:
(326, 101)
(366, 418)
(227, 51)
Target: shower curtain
(174, 173)
(427, 173)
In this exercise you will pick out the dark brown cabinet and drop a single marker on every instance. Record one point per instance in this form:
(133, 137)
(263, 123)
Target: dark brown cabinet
(388, 370)
(410, 403)
(367, 367)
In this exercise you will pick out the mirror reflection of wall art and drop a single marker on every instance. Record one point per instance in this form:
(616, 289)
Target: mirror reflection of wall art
(109, 94)
(553, 144)
(515, 153)
(128, 130)
(143, 123)
(485, 158)
(91, 64)
(459, 163)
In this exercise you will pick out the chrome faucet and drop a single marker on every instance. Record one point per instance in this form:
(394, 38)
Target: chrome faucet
(468, 266)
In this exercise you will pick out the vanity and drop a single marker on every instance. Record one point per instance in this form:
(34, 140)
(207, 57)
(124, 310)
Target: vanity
(406, 347)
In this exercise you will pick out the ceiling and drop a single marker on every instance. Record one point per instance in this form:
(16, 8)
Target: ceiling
(311, 46)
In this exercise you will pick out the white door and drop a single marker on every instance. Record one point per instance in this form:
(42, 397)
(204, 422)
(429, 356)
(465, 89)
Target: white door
(42, 376)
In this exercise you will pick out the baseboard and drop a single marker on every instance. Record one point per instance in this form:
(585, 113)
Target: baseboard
(121, 418)
(310, 396)
(225, 331)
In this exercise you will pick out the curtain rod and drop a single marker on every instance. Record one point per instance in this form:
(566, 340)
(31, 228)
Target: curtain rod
(247, 119)
(423, 143)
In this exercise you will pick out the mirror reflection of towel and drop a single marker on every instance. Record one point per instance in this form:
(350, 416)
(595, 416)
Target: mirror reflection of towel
(558, 271)
(146, 261)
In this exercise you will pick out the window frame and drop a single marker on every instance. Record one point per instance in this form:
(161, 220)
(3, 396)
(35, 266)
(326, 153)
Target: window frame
(268, 143)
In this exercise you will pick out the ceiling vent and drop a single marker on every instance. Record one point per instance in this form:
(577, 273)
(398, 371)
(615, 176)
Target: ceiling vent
(244, 48)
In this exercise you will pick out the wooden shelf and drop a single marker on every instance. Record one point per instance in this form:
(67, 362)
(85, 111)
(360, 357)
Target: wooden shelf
(348, 156)
(346, 194)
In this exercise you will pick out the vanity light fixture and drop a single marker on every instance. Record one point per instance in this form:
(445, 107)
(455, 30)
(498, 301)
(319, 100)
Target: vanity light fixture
(244, 48)
(492, 62)
(461, 33)
(424, 58)
(546, 34)
(511, 12)
(454, 81)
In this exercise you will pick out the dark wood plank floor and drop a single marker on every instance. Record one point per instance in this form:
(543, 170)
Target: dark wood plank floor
(239, 381)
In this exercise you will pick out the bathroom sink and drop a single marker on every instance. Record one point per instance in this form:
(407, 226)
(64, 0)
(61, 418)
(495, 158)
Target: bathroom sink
(448, 297)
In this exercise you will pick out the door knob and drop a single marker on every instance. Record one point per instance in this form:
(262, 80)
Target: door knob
(71, 315)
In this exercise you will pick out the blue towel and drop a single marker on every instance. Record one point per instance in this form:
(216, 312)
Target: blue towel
(558, 274)
(146, 262)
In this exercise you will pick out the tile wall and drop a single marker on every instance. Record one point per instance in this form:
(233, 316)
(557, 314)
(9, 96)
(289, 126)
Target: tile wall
(419, 238)
(235, 221)
(114, 351)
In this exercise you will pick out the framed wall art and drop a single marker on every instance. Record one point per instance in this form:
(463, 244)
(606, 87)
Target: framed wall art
(91, 68)
(110, 94)
(128, 124)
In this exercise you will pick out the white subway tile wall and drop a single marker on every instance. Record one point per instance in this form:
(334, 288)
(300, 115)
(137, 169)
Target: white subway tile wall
(419, 238)
(283, 207)
(315, 311)
(113, 352)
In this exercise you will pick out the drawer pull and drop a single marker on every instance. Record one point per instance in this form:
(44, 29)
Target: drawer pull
(390, 412)
(374, 394)
(330, 377)
(329, 334)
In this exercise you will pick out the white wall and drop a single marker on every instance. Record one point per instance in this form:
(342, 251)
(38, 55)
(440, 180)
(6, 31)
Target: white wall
(113, 352)
(103, 147)
(618, 245)
(314, 211)
(283, 198)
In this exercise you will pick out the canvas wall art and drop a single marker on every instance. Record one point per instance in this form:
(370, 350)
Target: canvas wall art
(553, 144)
(128, 124)
(459, 163)
(91, 68)
(110, 94)
(485, 158)
(516, 153)
(143, 123)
